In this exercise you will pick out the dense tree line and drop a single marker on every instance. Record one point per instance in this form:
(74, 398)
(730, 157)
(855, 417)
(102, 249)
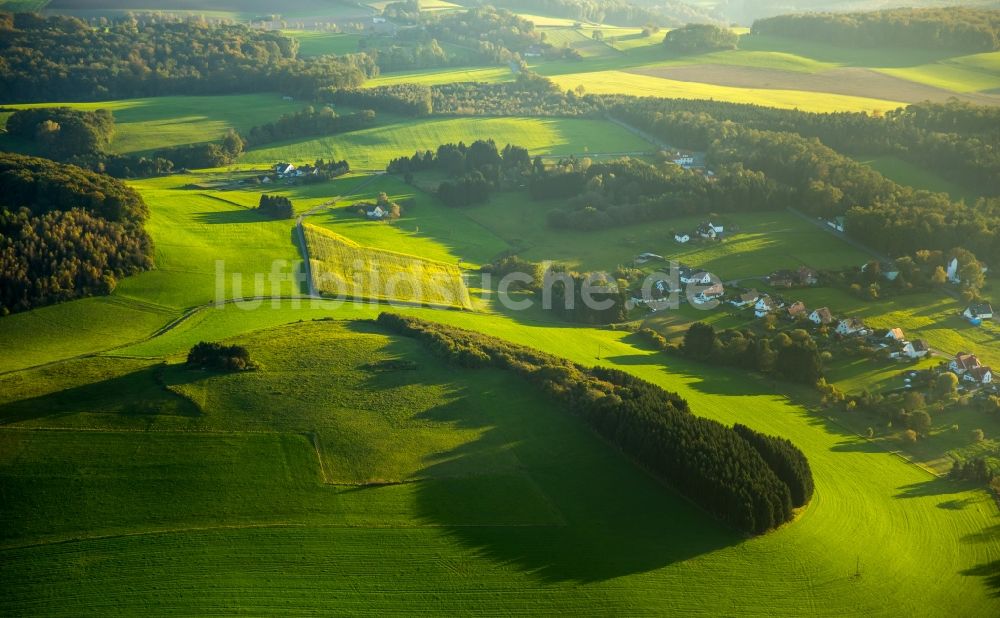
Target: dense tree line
(276, 206)
(307, 123)
(814, 177)
(406, 99)
(64, 58)
(739, 480)
(65, 232)
(699, 39)
(956, 28)
(61, 132)
(220, 357)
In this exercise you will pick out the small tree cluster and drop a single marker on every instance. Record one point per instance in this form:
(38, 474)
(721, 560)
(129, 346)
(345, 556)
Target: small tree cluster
(211, 355)
(276, 206)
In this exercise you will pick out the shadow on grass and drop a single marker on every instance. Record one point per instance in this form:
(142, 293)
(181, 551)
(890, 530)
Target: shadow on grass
(230, 217)
(140, 394)
(574, 508)
(935, 487)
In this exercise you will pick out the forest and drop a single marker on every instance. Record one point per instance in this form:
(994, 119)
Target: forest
(699, 39)
(65, 232)
(954, 28)
(62, 58)
(750, 480)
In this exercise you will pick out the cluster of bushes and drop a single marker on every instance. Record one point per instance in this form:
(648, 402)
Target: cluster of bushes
(219, 357)
(60, 58)
(699, 39)
(749, 480)
(915, 273)
(276, 206)
(61, 132)
(474, 170)
(211, 154)
(791, 355)
(307, 123)
(957, 28)
(406, 99)
(65, 232)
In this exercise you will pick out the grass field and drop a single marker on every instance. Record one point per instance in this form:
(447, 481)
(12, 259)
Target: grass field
(373, 148)
(318, 43)
(148, 124)
(766, 241)
(906, 173)
(342, 268)
(549, 518)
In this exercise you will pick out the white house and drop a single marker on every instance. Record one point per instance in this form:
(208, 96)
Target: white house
(915, 349)
(284, 169)
(981, 375)
(710, 230)
(979, 311)
(698, 276)
(764, 306)
(821, 316)
(851, 326)
(376, 213)
(682, 238)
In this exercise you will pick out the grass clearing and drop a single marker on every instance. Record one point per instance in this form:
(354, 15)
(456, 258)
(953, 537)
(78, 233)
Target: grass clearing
(341, 267)
(906, 173)
(320, 43)
(143, 125)
(373, 148)
(611, 82)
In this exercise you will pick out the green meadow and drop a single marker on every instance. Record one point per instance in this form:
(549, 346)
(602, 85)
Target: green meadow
(298, 473)
(373, 148)
(143, 125)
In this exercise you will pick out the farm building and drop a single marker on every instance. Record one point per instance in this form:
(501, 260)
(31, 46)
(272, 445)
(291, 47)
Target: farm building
(979, 311)
(964, 362)
(916, 349)
(745, 299)
(980, 375)
(709, 294)
(682, 238)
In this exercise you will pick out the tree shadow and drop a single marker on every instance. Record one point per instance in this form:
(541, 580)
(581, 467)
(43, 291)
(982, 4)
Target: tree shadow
(536, 490)
(231, 217)
(137, 395)
(934, 487)
(990, 572)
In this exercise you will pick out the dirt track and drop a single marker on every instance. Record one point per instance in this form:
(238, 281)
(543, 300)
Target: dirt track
(848, 81)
